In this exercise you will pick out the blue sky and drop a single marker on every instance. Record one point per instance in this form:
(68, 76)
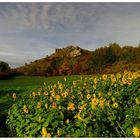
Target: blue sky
(30, 31)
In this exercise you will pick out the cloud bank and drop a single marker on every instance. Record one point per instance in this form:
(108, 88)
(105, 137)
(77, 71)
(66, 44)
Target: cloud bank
(29, 31)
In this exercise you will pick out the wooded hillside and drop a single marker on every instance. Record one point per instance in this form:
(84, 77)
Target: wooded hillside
(75, 60)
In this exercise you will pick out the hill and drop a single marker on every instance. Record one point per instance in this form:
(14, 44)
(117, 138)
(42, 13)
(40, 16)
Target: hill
(75, 60)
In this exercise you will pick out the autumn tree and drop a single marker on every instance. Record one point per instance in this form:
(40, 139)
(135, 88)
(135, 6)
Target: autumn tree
(65, 69)
(76, 69)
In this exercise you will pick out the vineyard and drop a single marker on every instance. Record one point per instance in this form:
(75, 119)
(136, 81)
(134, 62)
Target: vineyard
(92, 106)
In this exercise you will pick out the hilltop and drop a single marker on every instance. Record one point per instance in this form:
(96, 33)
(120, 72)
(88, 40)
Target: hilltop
(75, 60)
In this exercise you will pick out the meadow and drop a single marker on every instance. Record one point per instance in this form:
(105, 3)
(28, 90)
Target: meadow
(20, 85)
(74, 106)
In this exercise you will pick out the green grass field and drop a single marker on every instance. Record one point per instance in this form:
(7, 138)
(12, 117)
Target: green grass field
(25, 81)
(19, 85)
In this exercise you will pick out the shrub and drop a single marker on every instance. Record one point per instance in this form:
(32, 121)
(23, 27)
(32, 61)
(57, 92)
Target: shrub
(4, 75)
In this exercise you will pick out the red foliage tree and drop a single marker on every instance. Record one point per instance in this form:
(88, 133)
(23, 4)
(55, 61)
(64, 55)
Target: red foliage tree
(65, 69)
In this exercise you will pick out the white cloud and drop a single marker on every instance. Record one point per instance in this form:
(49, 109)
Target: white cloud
(25, 15)
(30, 31)
(6, 54)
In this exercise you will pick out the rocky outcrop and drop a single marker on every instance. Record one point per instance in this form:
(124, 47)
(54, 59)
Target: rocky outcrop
(71, 51)
(75, 53)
